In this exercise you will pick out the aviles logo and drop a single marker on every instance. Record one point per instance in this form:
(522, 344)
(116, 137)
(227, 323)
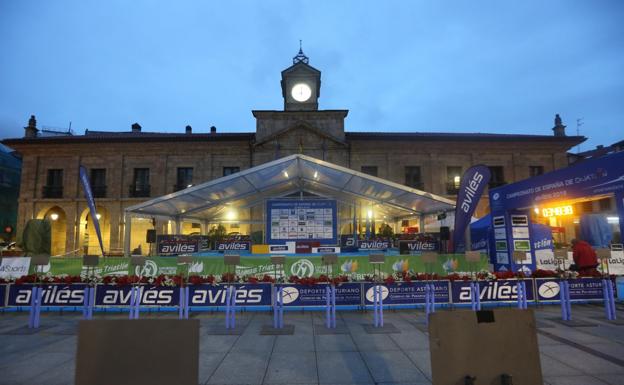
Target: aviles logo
(233, 246)
(471, 191)
(492, 291)
(374, 245)
(178, 248)
(217, 296)
(53, 296)
(119, 296)
(421, 246)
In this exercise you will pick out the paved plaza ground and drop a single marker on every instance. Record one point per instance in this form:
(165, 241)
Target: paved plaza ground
(588, 355)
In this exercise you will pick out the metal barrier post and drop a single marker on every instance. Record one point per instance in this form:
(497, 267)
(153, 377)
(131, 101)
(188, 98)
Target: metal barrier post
(327, 307)
(609, 300)
(275, 307)
(186, 302)
(333, 291)
(280, 298)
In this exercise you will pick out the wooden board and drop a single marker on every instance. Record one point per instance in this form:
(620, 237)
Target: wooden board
(138, 352)
(485, 345)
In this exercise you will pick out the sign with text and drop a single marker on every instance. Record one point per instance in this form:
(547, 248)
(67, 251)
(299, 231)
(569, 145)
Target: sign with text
(347, 294)
(233, 246)
(52, 295)
(490, 291)
(418, 246)
(215, 295)
(112, 295)
(301, 220)
(14, 267)
(584, 289)
(406, 293)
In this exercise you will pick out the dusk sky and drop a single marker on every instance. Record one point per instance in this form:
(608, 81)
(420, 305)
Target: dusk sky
(439, 66)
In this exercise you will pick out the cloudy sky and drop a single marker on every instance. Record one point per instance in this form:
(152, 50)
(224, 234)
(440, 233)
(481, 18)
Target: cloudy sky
(450, 66)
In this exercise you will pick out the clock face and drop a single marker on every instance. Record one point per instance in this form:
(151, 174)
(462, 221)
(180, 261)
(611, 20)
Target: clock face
(301, 92)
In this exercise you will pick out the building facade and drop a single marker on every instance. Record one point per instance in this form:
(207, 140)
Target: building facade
(129, 167)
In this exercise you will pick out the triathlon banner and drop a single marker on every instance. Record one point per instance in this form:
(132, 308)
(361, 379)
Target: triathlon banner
(347, 294)
(473, 182)
(86, 186)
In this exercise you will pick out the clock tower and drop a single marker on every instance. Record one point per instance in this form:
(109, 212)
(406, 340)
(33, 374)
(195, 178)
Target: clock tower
(301, 85)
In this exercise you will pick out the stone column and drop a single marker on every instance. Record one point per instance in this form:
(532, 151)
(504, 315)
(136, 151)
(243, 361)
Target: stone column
(127, 233)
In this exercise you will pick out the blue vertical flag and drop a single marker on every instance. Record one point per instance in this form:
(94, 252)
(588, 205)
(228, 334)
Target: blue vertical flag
(86, 186)
(472, 185)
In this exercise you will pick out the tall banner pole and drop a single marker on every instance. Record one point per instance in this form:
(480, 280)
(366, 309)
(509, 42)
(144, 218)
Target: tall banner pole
(86, 186)
(471, 188)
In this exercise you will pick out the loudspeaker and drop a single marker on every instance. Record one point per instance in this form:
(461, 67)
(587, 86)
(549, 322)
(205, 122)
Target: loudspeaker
(445, 233)
(150, 236)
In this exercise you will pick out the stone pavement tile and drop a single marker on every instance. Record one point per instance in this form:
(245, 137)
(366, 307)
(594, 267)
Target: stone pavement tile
(422, 359)
(288, 368)
(26, 370)
(573, 380)
(392, 366)
(208, 363)
(25, 344)
(294, 343)
(578, 335)
(613, 349)
(254, 342)
(342, 368)
(210, 343)
(414, 340)
(69, 344)
(583, 361)
(542, 340)
(241, 368)
(611, 379)
(62, 374)
(374, 342)
(335, 343)
(551, 367)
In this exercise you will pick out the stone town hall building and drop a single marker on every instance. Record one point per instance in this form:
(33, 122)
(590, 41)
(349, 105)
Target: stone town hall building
(127, 167)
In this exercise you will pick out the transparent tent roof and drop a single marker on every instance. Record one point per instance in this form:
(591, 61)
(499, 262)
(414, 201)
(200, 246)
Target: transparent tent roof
(287, 176)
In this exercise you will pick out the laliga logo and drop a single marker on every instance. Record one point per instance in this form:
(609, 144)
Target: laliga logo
(401, 265)
(548, 290)
(370, 293)
(289, 294)
(302, 268)
(496, 196)
(349, 267)
(150, 269)
(450, 265)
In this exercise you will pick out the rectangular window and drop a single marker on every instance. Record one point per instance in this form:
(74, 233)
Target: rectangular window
(497, 177)
(453, 179)
(141, 185)
(54, 184)
(413, 177)
(370, 170)
(230, 170)
(98, 182)
(536, 170)
(184, 178)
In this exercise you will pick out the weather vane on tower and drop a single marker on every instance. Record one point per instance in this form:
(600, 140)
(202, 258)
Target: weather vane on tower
(301, 57)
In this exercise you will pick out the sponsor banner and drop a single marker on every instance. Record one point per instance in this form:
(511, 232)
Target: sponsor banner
(407, 293)
(288, 248)
(233, 246)
(112, 295)
(473, 182)
(326, 250)
(305, 247)
(491, 291)
(347, 294)
(3, 291)
(616, 261)
(14, 267)
(584, 289)
(52, 295)
(246, 295)
(301, 220)
(374, 244)
(348, 243)
(418, 246)
(176, 244)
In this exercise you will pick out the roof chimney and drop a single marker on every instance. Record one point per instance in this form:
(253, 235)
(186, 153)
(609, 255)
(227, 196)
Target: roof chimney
(136, 127)
(31, 130)
(559, 129)
(189, 130)
(213, 129)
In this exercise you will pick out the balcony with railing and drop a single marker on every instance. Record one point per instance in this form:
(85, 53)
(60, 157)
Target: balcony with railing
(139, 191)
(52, 192)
